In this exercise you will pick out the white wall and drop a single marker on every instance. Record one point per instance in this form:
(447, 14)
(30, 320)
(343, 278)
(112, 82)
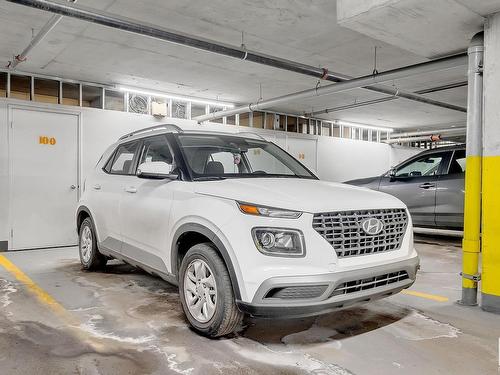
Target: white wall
(333, 159)
(102, 128)
(346, 159)
(399, 154)
(4, 176)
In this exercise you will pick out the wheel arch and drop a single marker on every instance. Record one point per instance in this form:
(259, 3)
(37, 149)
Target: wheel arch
(82, 213)
(190, 234)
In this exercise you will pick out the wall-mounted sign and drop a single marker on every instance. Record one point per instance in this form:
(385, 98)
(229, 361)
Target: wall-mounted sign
(44, 140)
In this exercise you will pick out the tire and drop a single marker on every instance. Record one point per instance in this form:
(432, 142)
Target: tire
(90, 257)
(225, 316)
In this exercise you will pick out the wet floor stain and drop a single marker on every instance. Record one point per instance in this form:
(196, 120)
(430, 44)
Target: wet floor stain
(36, 347)
(131, 322)
(416, 326)
(260, 346)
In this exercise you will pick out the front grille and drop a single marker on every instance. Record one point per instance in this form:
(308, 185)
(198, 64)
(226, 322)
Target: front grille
(297, 292)
(343, 231)
(369, 283)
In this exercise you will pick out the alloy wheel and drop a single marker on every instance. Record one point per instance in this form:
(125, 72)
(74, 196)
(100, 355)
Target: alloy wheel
(200, 290)
(86, 244)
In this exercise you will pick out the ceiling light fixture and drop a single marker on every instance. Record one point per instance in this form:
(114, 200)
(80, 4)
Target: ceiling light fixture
(363, 126)
(176, 97)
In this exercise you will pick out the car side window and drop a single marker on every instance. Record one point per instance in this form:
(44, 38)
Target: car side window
(457, 164)
(156, 149)
(427, 165)
(123, 159)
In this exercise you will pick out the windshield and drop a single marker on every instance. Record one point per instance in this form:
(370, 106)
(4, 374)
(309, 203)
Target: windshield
(214, 156)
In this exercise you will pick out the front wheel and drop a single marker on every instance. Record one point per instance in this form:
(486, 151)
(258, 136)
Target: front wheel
(206, 292)
(90, 257)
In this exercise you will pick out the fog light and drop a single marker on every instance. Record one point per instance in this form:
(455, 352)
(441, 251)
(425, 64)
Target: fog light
(279, 241)
(267, 240)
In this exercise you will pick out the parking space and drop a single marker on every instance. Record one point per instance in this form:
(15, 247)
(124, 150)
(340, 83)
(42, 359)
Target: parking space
(124, 321)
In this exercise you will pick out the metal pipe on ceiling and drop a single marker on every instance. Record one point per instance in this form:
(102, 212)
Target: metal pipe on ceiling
(431, 66)
(432, 135)
(449, 86)
(350, 106)
(428, 138)
(34, 42)
(428, 132)
(133, 26)
(396, 93)
(388, 98)
(47, 28)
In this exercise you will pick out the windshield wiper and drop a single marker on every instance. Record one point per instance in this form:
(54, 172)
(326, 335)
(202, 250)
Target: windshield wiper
(209, 178)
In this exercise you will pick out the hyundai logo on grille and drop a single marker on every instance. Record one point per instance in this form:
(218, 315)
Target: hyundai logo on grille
(372, 226)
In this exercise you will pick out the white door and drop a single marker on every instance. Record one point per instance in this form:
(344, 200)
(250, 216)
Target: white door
(43, 156)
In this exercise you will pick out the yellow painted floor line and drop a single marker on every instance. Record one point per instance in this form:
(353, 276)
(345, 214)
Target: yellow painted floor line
(98, 344)
(425, 295)
(45, 298)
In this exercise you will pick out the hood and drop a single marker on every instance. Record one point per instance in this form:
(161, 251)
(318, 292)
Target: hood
(298, 194)
(371, 182)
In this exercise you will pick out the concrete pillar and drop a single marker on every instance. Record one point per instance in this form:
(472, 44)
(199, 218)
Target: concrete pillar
(490, 288)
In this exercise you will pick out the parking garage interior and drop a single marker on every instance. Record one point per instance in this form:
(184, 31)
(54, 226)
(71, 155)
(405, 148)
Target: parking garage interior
(396, 96)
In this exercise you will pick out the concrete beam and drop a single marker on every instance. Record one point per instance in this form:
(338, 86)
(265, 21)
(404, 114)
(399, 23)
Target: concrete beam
(427, 28)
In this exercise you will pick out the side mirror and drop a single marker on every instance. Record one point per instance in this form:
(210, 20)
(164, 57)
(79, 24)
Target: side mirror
(156, 170)
(392, 174)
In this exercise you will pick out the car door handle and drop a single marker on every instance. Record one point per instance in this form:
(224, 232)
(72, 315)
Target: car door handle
(131, 189)
(97, 187)
(427, 185)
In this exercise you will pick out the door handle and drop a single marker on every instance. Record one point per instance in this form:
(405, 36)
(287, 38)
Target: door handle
(131, 189)
(72, 187)
(97, 187)
(427, 185)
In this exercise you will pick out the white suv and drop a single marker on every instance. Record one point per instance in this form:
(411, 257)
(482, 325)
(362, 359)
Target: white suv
(241, 227)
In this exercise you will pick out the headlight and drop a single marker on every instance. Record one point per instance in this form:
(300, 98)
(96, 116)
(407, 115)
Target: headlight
(251, 209)
(279, 242)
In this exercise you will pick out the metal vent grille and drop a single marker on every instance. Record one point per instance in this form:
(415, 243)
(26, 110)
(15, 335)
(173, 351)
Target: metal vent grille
(138, 104)
(343, 231)
(369, 283)
(297, 292)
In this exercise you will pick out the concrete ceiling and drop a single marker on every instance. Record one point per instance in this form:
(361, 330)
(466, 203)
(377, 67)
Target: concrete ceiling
(426, 27)
(301, 30)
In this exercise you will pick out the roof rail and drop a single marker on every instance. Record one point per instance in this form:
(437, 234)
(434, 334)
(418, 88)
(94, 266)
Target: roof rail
(254, 135)
(153, 128)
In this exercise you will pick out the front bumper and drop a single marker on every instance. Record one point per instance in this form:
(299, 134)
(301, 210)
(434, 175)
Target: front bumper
(329, 300)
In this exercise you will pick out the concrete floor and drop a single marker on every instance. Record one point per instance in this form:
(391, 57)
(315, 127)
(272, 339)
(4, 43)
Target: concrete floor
(123, 321)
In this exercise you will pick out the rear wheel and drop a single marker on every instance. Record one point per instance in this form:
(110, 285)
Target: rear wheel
(206, 292)
(90, 257)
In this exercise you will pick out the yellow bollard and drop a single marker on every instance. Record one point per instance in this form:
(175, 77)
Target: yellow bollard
(490, 284)
(471, 243)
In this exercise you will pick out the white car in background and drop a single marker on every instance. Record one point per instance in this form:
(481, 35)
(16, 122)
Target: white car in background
(241, 227)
